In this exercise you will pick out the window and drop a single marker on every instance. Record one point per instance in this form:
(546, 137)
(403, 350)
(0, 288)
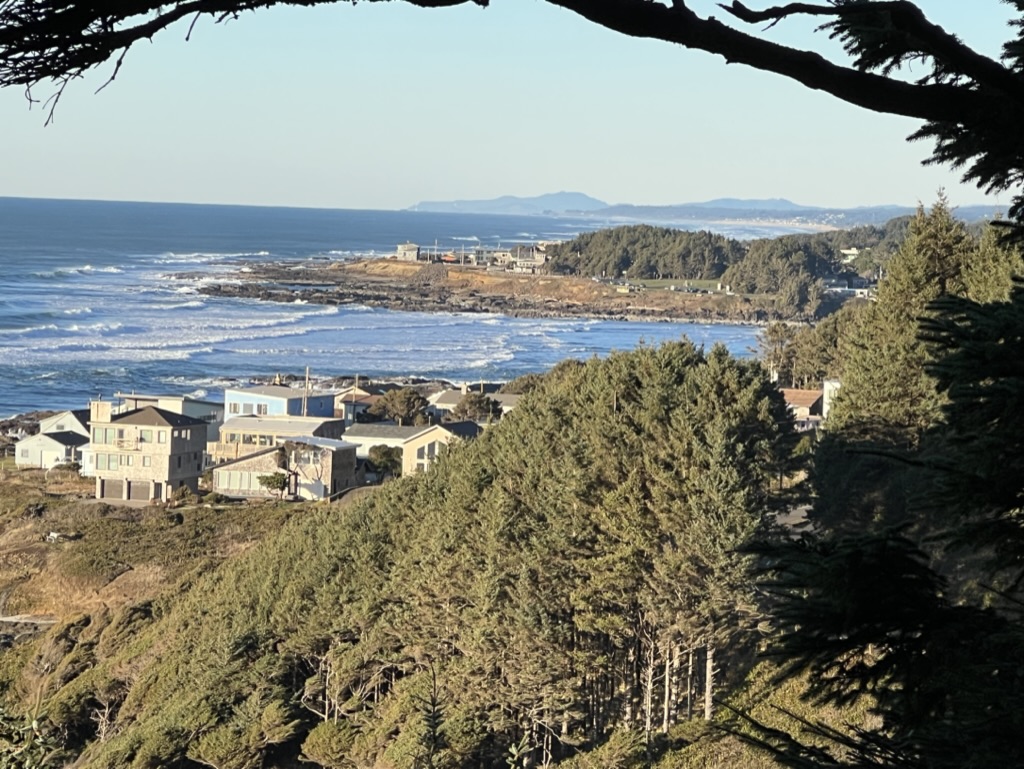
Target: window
(101, 461)
(24, 453)
(261, 409)
(161, 436)
(147, 461)
(59, 426)
(127, 460)
(108, 435)
(120, 433)
(179, 461)
(97, 435)
(112, 465)
(233, 408)
(145, 436)
(246, 408)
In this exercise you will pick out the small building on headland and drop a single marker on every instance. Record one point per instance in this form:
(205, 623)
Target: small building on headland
(407, 252)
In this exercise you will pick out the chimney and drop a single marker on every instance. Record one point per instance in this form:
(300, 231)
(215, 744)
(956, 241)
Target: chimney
(99, 411)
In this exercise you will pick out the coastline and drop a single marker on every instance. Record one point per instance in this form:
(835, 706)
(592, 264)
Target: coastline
(434, 288)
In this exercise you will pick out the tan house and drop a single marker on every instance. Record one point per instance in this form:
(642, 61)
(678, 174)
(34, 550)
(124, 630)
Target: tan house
(422, 449)
(805, 405)
(145, 454)
(317, 468)
(244, 435)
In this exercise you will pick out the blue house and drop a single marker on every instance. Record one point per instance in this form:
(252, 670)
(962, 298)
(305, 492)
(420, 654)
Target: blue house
(277, 401)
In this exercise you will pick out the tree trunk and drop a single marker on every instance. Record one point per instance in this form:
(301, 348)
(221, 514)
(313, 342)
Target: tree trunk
(689, 684)
(709, 681)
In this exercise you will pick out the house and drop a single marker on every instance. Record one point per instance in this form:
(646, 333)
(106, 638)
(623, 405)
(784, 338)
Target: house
(46, 450)
(60, 440)
(75, 421)
(317, 468)
(245, 435)
(407, 252)
(805, 405)
(210, 412)
(277, 401)
(370, 434)
(444, 402)
(351, 402)
(420, 444)
(422, 449)
(146, 453)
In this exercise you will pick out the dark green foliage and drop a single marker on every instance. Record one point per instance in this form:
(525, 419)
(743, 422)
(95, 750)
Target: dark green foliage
(923, 621)
(30, 743)
(387, 459)
(643, 251)
(276, 482)
(553, 575)
(404, 405)
(476, 407)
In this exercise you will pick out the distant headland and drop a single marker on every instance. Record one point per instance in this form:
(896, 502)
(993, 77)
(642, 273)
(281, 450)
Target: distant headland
(760, 211)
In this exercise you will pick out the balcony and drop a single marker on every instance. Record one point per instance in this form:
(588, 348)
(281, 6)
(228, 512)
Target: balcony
(127, 444)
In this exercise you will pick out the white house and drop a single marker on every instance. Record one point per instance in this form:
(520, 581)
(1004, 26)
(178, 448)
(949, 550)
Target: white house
(47, 450)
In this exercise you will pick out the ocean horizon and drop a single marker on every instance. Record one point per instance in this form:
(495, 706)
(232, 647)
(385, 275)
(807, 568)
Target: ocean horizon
(101, 296)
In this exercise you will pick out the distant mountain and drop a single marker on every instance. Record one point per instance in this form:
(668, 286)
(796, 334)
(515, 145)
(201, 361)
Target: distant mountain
(755, 212)
(551, 204)
(769, 204)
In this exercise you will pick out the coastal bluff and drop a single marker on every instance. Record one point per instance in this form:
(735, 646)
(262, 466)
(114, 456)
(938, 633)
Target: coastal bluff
(414, 287)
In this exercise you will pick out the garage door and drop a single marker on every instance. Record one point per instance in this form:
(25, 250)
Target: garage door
(113, 489)
(139, 490)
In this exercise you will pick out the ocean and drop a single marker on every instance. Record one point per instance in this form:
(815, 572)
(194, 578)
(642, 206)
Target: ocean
(97, 297)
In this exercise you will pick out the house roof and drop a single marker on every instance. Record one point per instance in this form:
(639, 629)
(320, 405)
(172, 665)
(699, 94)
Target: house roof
(448, 399)
(384, 430)
(796, 399)
(277, 425)
(277, 391)
(316, 440)
(155, 398)
(365, 390)
(82, 415)
(152, 416)
(64, 438)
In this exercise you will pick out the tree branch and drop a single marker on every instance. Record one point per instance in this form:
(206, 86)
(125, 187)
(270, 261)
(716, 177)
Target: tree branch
(907, 18)
(679, 24)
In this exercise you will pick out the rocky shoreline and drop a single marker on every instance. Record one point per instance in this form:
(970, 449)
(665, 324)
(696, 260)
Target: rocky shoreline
(413, 287)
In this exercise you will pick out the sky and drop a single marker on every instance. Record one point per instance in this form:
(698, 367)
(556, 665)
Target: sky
(384, 105)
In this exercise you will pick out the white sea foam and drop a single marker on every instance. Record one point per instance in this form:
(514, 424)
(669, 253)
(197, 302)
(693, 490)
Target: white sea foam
(181, 305)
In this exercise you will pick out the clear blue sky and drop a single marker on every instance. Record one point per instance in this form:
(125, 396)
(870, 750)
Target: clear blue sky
(385, 105)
